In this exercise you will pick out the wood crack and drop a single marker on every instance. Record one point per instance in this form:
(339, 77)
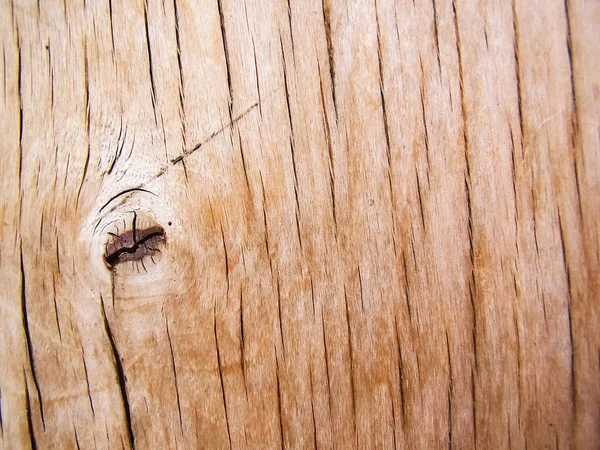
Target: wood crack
(25, 323)
(327, 25)
(226, 53)
(121, 378)
(220, 366)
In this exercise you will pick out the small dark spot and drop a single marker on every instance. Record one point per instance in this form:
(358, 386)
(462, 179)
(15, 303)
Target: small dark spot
(133, 245)
(170, 224)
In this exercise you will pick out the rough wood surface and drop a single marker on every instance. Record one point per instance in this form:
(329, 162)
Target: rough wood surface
(329, 224)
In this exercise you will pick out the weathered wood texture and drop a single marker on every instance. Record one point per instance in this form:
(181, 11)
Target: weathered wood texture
(381, 222)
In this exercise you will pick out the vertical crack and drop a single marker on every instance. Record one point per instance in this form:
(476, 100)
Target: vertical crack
(121, 378)
(25, 323)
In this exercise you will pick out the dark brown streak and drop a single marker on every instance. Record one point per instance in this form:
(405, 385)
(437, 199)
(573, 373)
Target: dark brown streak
(164, 133)
(326, 123)
(122, 380)
(293, 153)
(474, 406)
(420, 197)
(474, 331)
(67, 170)
(296, 192)
(20, 94)
(279, 408)
(381, 91)
(575, 114)
(564, 256)
(400, 372)
(327, 131)
(242, 344)
(462, 81)
(312, 407)
(25, 323)
(514, 178)
(57, 256)
(298, 221)
(112, 34)
(575, 172)
(394, 445)
(326, 355)
(574, 117)
(257, 78)
(243, 161)
(41, 235)
(51, 75)
(76, 438)
(424, 118)
(120, 145)
(180, 68)
(534, 209)
(351, 350)
(327, 24)
(285, 84)
(87, 381)
(332, 191)
(360, 283)
(279, 315)
(149, 48)
(437, 39)
(470, 219)
(450, 391)
(87, 120)
(406, 287)
(519, 373)
(265, 224)
(517, 67)
(392, 208)
(4, 73)
(485, 35)
(220, 377)
(226, 259)
(544, 307)
(289, 13)
(1, 421)
(174, 366)
(226, 52)
(29, 418)
(312, 296)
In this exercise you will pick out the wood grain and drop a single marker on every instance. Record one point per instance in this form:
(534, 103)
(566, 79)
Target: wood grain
(380, 224)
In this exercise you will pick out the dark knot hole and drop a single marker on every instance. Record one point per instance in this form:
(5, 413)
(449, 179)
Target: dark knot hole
(134, 245)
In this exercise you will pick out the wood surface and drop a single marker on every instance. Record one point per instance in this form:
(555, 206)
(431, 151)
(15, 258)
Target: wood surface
(374, 224)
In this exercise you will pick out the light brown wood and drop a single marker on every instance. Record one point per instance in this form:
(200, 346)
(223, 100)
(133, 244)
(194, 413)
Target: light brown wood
(376, 224)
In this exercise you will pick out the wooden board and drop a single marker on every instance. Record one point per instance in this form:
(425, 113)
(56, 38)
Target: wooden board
(260, 224)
